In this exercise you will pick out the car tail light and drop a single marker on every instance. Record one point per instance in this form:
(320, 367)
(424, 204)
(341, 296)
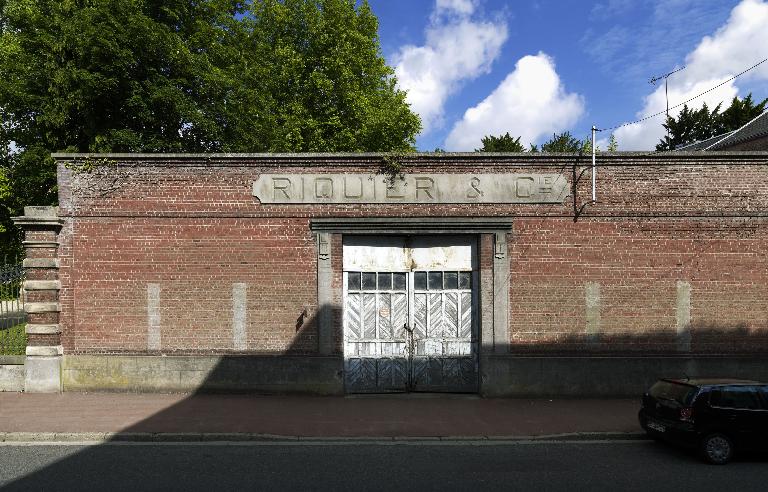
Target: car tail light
(686, 414)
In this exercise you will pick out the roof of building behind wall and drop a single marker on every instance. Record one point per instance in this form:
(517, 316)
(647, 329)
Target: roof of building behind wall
(756, 128)
(753, 129)
(703, 144)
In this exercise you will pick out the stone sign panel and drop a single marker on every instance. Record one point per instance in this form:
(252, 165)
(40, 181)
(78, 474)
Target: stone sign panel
(411, 188)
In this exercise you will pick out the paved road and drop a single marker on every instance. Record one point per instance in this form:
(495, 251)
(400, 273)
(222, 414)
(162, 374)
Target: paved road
(627, 465)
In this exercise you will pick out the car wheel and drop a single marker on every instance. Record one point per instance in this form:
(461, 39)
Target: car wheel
(717, 449)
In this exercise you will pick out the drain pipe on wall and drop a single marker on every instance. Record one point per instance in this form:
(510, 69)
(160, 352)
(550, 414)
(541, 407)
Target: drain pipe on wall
(594, 167)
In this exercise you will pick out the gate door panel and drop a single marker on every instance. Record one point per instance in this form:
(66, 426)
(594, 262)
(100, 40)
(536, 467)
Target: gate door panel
(376, 312)
(443, 341)
(409, 316)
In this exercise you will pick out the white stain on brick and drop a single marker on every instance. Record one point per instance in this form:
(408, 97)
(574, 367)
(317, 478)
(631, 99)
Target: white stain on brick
(239, 301)
(592, 298)
(153, 317)
(683, 315)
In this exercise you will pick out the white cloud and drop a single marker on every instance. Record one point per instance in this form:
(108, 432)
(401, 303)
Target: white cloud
(530, 102)
(737, 45)
(458, 48)
(464, 7)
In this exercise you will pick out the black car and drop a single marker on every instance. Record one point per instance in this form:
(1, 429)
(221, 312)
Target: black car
(717, 416)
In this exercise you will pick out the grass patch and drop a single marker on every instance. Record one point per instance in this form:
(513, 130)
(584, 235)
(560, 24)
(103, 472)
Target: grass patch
(13, 340)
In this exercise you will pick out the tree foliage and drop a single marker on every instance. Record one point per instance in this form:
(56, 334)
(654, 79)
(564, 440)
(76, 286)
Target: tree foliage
(187, 76)
(693, 125)
(313, 79)
(563, 143)
(502, 143)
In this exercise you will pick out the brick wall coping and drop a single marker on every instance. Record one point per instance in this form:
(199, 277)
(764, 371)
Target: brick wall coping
(486, 158)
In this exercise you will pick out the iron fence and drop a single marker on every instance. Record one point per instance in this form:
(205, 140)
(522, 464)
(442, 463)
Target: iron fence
(13, 340)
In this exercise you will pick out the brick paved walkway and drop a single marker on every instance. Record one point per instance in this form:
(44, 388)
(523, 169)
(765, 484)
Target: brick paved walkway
(374, 416)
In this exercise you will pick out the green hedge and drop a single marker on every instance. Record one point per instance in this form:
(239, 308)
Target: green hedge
(13, 340)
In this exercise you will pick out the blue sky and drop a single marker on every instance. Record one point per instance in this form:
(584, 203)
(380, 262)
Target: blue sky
(477, 67)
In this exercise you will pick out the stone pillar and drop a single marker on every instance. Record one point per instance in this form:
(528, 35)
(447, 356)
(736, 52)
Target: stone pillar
(324, 294)
(41, 227)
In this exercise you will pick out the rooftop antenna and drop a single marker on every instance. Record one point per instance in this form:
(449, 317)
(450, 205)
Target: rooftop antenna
(666, 88)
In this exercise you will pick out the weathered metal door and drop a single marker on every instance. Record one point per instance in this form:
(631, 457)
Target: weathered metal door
(409, 314)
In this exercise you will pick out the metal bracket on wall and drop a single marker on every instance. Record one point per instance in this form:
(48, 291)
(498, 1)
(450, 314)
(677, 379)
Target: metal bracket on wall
(323, 246)
(500, 245)
(578, 210)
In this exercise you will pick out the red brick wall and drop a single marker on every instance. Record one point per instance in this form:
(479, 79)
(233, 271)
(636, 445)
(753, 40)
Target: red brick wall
(195, 261)
(193, 226)
(637, 264)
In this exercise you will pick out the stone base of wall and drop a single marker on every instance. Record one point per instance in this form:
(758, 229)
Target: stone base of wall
(503, 376)
(42, 373)
(267, 374)
(583, 377)
(12, 375)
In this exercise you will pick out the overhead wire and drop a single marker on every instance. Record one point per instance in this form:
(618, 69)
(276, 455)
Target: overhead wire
(687, 100)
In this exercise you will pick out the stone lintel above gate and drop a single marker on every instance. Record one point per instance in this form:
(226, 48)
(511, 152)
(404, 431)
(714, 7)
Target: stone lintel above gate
(412, 225)
(41, 227)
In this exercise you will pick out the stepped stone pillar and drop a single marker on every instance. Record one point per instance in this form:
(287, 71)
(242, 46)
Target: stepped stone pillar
(41, 226)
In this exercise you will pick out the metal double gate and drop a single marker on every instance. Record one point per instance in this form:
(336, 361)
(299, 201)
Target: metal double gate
(410, 329)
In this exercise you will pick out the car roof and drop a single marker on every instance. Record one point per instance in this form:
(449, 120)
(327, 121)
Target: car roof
(713, 381)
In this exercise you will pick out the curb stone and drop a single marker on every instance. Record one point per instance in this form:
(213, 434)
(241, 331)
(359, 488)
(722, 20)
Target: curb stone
(213, 436)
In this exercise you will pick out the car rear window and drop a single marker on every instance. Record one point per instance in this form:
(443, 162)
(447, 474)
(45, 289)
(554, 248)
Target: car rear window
(743, 397)
(681, 393)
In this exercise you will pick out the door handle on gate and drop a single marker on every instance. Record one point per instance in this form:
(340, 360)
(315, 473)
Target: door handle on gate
(407, 328)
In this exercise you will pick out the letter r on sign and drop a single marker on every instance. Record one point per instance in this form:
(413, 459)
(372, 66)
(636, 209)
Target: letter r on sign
(282, 185)
(425, 185)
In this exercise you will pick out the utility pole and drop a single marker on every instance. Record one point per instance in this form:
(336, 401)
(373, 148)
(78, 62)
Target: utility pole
(666, 88)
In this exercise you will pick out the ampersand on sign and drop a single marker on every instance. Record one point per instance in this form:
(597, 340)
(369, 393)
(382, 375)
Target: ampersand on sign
(475, 192)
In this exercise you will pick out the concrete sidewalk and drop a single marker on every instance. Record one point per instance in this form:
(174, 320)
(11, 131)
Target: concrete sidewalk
(108, 416)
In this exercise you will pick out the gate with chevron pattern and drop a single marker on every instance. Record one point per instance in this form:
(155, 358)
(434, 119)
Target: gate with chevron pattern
(410, 314)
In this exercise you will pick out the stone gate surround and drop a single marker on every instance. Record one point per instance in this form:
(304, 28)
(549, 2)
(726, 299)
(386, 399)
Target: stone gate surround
(41, 227)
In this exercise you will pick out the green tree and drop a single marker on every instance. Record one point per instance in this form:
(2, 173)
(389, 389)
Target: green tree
(739, 113)
(693, 125)
(690, 125)
(187, 76)
(313, 79)
(564, 142)
(104, 76)
(502, 143)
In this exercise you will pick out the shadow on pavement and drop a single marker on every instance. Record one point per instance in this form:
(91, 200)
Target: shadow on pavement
(206, 412)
